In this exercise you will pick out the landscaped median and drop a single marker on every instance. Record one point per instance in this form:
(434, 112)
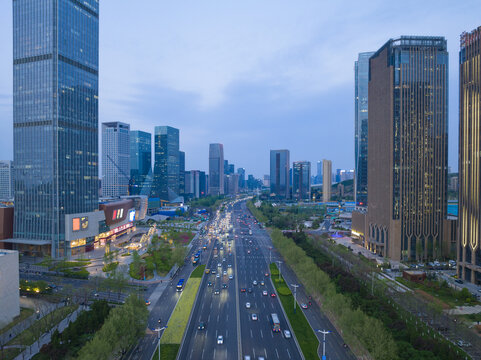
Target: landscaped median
(172, 336)
(304, 334)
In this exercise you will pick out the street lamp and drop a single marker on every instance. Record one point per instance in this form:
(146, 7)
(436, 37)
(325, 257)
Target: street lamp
(295, 297)
(279, 263)
(325, 332)
(159, 329)
(270, 254)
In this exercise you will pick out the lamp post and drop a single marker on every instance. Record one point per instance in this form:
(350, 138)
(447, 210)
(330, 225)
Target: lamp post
(325, 332)
(279, 263)
(159, 329)
(270, 254)
(295, 295)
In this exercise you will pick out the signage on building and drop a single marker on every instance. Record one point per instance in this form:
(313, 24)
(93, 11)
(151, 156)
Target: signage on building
(80, 223)
(132, 215)
(118, 214)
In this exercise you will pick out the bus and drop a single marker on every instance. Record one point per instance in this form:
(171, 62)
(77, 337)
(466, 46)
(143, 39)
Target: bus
(180, 285)
(276, 325)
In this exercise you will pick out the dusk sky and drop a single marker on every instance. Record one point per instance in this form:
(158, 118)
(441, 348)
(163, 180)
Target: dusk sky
(253, 75)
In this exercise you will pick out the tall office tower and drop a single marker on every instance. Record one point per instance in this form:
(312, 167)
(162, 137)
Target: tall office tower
(301, 181)
(55, 118)
(166, 166)
(469, 247)
(242, 177)
(216, 169)
(408, 143)
(326, 180)
(140, 161)
(226, 167)
(115, 159)
(202, 184)
(6, 180)
(361, 96)
(181, 172)
(319, 172)
(280, 174)
(233, 183)
(231, 169)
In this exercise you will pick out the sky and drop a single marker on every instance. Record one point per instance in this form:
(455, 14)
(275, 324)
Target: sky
(253, 75)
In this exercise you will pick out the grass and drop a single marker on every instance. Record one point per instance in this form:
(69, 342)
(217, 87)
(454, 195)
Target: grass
(198, 271)
(167, 352)
(305, 335)
(110, 266)
(9, 354)
(30, 335)
(24, 313)
(180, 316)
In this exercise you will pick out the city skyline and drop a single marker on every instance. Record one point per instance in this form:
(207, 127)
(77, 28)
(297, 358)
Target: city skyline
(204, 113)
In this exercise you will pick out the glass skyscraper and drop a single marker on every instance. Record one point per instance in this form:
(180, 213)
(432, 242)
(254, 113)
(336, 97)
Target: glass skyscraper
(140, 160)
(216, 169)
(55, 118)
(280, 173)
(361, 80)
(167, 163)
(115, 159)
(301, 180)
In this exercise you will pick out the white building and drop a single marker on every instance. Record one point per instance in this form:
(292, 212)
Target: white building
(6, 180)
(9, 283)
(115, 159)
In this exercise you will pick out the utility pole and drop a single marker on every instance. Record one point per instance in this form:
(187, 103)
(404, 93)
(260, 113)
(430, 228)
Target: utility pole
(159, 329)
(279, 263)
(295, 295)
(325, 332)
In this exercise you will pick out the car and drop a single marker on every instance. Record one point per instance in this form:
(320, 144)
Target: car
(254, 282)
(273, 295)
(209, 283)
(266, 274)
(224, 273)
(263, 283)
(231, 277)
(248, 305)
(212, 271)
(207, 271)
(264, 293)
(247, 357)
(220, 340)
(459, 281)
(229, 266)
(254, 317)
(216, 292)
(243, 290)
(223, 259)
(248, 251)
(217, 276)
(219, 265)
(261, 358)
(304, 306)
(287, 334)
(147, 302)
(201, 326)
(249, 290)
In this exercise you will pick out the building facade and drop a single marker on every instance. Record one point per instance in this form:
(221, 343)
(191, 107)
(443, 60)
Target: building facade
(326, 180)
(115, 159)
(140, 161)
(181, 172)
(216, 169)
(407, 146)
(469, 247)
(301, 180)
(361, 96)
(242, 178)
(280, 174)
(55, 118)
(6, 180)
(9, 292)
(166, 185)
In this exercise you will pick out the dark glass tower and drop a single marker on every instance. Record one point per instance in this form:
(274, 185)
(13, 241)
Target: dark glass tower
(280, 173)
(361, 80)
(55, 118)
(166, 167)
(301, 180)
(216, 169)
(140, 160)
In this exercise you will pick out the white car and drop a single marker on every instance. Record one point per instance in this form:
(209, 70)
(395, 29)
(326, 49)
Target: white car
(254, 317)
(264, 293)
(254, 282)
(217, 276)
(287, 334)
(220, 340)
(225, 273)
(219, 265)
(248, 305)
(231, 277)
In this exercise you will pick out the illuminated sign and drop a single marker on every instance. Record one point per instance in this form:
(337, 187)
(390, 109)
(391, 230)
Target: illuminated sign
(80, 223)
(132, 215)
(118, 214)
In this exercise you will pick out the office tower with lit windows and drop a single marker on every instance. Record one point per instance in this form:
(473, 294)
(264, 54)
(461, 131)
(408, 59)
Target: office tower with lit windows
(408, 148)
(469, 242)
(301, 180)
(140, 161)
(166, 184)
(216, 169)
(55, 119)
(115, 159)
(6, 180)
(280, 174)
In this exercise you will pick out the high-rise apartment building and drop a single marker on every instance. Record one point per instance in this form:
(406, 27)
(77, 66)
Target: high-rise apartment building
(469, 242)
(361, 96)
(166, 184)
(55, 118)
(140, 162)
(115, 159)
(301, 180)
(216, 169)
(326, 180)
(407, 147)
(6, 180)
(280, 173)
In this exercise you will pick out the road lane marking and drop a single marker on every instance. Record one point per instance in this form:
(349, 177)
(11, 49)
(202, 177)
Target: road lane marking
(252, 336)
(288, 353)
(277, 353)
(262, 334)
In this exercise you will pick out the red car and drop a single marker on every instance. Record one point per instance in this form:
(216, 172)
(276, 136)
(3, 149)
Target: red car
(243, 290)
(273, 295)
(266, 274)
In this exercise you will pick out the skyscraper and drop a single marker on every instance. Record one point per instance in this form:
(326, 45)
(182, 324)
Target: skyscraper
(301, 180)
(181, 172)
(408, 143)
(469, 244)
(319, 172)
(280, 174)
(140, 161)
(55, 118)
(326, 180)
(242, 177)
(6, 180)
(216, 169)
(115, 159)
(167, 164)
(361, 87)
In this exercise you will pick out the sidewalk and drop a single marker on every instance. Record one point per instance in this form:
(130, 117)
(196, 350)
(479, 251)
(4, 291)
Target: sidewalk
(45, 338)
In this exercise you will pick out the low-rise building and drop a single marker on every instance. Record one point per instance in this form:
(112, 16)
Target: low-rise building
(9, 292)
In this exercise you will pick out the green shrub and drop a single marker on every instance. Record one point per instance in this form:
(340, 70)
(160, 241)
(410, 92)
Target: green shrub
(284, 290)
